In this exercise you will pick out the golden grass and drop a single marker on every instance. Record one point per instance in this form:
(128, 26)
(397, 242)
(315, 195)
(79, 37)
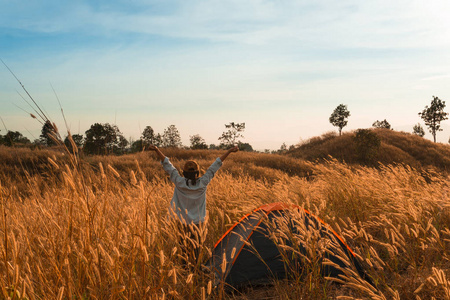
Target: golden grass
(98, 229)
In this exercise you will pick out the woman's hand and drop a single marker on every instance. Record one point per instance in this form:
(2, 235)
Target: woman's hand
(225, 155)
(158, 152)
(234, 149)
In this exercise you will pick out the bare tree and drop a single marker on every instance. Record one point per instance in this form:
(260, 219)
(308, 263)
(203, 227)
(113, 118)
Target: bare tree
(232, 135)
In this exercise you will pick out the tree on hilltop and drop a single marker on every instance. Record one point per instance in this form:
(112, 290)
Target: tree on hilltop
(434, 115)
(339, 117)
(418, 130)
(382, 124)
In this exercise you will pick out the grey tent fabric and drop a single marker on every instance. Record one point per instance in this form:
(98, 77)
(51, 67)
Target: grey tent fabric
(247, 254)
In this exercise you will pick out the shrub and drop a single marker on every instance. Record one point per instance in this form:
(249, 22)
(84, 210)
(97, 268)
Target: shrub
(367, 144)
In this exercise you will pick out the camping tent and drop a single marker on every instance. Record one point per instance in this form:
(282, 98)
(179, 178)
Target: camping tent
(253, 250)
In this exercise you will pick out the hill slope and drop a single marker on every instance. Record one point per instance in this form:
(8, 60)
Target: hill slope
(395, 147)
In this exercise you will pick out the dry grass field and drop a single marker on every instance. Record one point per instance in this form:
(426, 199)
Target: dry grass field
(97, 227)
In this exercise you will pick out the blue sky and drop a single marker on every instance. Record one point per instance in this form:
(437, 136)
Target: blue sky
(279, 66)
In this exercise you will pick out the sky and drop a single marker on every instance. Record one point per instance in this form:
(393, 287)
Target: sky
(281, 67)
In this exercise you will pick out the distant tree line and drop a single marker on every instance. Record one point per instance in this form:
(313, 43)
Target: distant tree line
(104, 138)
(12, 138)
